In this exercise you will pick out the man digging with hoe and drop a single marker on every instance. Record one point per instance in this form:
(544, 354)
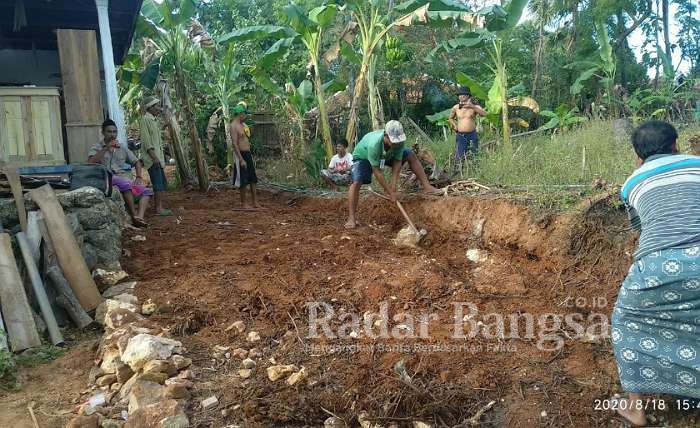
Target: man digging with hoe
(376, 149)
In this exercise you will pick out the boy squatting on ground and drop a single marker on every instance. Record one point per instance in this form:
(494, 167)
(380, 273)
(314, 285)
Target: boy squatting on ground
(338, 172)
(240, 134)
(462, 120)
(152, 145)
(112, 155)
(385, 146)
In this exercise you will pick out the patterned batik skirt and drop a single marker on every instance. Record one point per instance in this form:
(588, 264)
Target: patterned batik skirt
(655, 324)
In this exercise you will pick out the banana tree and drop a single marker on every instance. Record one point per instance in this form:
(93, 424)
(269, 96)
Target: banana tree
(561, 119)
(225, 86)
(166, 24)
(306, 28)
(495, 22)
(374, 20)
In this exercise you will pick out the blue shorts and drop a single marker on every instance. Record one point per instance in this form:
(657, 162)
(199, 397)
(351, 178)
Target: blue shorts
(467, 144)
(362, 169)
(158, 180)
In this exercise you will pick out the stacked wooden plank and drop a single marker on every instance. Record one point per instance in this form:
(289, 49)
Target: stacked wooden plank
(64, 272)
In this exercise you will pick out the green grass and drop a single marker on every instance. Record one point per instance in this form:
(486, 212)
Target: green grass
(29, 358)
(576, 157)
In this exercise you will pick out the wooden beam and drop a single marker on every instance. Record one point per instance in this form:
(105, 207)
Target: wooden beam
(82, 91)
(16, 186)
(69, 256)
(65, 297)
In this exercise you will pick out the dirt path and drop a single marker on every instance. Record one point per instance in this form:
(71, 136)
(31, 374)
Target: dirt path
(209, 266)
(54, 389)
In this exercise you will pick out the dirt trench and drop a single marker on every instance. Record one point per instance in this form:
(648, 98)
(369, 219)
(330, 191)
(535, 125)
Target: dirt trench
(209, 266)
(217, 266)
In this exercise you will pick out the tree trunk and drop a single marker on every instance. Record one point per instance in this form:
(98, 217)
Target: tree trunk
(375, 108)
(183, 168)
(351, 131)
(621, 29)
(656, 37)
(185, 102)
(667, 37)
(538, 57)
(574, 22)
(323, 114)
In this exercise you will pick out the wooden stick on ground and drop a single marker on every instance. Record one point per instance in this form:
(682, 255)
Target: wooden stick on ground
(65, 297)
(21, 328)
(30, 407)
(66, 247)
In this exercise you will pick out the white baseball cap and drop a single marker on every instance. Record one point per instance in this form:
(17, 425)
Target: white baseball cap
(394, 130)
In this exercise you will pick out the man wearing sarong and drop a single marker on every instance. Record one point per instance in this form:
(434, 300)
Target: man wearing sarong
(656, 317)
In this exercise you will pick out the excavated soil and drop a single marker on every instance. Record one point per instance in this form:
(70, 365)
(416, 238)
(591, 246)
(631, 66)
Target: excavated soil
(209, 266)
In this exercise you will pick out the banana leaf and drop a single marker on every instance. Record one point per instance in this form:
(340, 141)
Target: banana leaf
(256, 32)
(477, 90)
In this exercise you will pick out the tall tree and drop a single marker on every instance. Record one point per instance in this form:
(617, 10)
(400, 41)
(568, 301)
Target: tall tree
(543, 11)
(689, 44)
(375, 19)
(303, 27)
(167, 24)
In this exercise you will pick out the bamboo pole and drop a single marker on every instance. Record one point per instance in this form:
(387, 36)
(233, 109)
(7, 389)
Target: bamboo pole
(39, 290)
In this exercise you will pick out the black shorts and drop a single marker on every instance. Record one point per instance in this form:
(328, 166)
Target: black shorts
(158, 180)
(248, 175)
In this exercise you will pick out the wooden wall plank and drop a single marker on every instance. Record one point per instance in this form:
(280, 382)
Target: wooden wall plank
(82, 90)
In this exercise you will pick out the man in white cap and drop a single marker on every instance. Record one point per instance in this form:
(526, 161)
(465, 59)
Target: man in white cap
(374, 151)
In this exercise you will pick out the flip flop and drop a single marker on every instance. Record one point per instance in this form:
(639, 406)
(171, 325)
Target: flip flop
(139, 222)
(165, 213)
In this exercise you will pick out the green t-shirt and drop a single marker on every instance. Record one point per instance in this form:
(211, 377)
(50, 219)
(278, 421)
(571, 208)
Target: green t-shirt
(371, 148)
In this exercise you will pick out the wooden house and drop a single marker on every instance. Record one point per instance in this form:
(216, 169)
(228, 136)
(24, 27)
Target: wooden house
(57, 76)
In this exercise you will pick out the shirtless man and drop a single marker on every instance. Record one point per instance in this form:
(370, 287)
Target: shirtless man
(462, 120)
(240, 134)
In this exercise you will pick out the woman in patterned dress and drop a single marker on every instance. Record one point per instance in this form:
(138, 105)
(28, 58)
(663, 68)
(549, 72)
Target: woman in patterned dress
(657, 313)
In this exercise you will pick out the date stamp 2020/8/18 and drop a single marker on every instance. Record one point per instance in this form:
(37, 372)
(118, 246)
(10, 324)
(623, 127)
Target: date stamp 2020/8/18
(650, 404)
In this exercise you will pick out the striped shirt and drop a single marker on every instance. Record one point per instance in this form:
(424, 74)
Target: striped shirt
(663, 201)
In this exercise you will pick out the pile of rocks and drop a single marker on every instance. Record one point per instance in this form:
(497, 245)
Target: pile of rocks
(96, 221)
(140, 378)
